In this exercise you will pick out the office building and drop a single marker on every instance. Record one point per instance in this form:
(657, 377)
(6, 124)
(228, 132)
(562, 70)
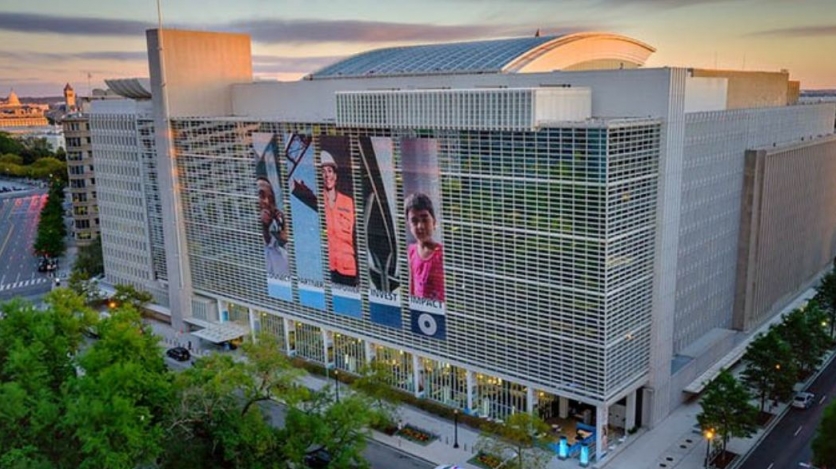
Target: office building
(589, 242)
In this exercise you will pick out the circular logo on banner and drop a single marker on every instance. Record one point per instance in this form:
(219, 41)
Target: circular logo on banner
(426, 322)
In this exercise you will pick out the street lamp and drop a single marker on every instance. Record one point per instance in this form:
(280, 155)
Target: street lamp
(709, 435)
(456, 428)
(337, 383)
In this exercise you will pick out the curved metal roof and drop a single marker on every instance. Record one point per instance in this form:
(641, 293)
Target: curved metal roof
(133, 88)
(515, 55)
(460, 57)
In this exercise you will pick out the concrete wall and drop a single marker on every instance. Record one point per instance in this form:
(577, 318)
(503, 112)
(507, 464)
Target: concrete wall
(788, 226)
(197, 69)
(712, 183)
(751, 89)
(615, 93)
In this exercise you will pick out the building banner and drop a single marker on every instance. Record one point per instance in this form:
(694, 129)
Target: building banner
(340, 223)
(272, 219)
(301, 179)
(424, 237)
(379, 215)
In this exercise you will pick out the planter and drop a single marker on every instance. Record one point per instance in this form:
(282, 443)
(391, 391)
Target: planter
(416, 435)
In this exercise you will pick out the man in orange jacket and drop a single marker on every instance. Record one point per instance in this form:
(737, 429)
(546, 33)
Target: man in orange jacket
(339, 222)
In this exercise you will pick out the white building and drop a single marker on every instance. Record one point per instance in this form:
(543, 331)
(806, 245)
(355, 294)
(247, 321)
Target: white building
(604, 245)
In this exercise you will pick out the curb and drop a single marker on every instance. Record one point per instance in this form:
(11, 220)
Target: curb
(399, 450)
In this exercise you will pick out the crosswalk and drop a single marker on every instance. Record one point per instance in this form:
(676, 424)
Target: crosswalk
(22, 284)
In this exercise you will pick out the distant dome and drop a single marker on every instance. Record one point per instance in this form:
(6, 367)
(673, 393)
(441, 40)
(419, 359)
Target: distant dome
(12, 99)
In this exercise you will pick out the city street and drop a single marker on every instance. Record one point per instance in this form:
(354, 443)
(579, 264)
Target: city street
(790, 441)
(19, 214)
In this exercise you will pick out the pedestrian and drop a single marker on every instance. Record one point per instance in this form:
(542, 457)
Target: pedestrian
(190, 346)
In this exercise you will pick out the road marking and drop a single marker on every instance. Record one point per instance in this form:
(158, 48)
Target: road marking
(770, 465)
(821, 401)
(8, 236)
(797, 431)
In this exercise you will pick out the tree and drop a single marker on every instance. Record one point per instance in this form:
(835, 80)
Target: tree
(87, 288)
(802, 330)
(375, 382)
(770, 370)
(90, 259)
(128, 294)
(826, 295)
(518, 440)
(341, 428)
(118, 403)
(824, 443)
(726, 409)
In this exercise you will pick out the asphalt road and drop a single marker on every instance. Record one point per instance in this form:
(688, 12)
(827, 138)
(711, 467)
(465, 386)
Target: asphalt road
(790, 441)
(378, 455)
(19, 214)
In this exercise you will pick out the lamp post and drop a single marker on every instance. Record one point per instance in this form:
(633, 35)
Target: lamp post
(456, 428)
(337, 383)
(709, 435)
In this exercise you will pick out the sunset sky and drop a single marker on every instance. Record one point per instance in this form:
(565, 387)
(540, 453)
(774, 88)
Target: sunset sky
(47, 43)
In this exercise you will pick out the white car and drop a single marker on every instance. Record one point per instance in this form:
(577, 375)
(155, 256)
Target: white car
(803, 400)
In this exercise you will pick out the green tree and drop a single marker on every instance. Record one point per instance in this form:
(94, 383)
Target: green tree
(824, 443)
(128, 294)
(49, 239)
(826, 295)
(117, 405)
(375, 382)
(517, 441)
(84, 286)
(341, 428)
(726, 409)
(770, 369)
(808, 340)
(90, 259)
(9, 144)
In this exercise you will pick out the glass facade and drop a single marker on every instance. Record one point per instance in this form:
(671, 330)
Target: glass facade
(548, 244)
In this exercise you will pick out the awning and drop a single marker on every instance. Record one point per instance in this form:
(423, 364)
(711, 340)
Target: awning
(220, 333)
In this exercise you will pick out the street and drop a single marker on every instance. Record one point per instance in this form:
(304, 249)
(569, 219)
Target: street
(790, 441)
(19, 215)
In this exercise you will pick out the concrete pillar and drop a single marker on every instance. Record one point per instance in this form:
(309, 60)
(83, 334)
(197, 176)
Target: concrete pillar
(530, 400)
(251, 315)
(221, 309)
(288, 324)
(630, 418)
(470, 389)
(416, 375)
(325, 342)
(562, 407)
(601, 429)
(369, 349)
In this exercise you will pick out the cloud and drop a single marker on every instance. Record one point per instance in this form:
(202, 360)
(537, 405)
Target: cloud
(359, 31)
(42, 57)
(267, 64)
(798, 31)
(72, 26)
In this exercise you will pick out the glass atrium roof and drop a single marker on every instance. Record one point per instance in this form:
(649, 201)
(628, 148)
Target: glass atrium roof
(463, 57)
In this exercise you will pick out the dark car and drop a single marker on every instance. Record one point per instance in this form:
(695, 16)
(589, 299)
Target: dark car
(318, 458)
(47, 265)
(179, 353)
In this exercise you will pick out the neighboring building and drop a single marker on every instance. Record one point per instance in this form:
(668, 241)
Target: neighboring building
(15, 114)
(81, 178)
(69, 98)
(128, 201)
(593, 215)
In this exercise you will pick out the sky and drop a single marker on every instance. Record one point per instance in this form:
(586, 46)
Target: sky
(45, 44)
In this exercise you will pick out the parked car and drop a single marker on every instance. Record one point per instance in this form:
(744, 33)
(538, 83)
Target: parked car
(803, 400)
(318, 458)
(181, 354)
